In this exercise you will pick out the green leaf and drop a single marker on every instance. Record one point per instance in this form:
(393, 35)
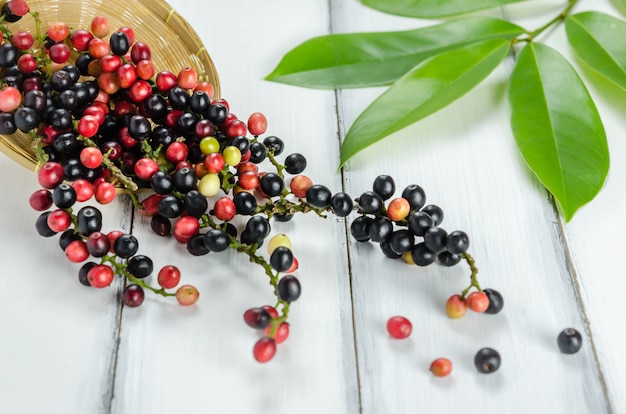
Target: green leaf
(600, 41)
(433, 8)
(370, 59)
(557, 127)
(432, 85)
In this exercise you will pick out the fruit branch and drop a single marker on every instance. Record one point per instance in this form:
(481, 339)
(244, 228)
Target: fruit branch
(473, 277)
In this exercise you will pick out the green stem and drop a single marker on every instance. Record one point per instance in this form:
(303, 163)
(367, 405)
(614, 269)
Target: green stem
(279, 167)
(558, 19)
(474, 272)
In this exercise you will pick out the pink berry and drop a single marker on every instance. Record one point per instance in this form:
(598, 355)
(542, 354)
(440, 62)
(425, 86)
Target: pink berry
(399, 327)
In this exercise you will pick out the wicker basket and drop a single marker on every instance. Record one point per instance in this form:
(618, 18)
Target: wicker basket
(174, 44)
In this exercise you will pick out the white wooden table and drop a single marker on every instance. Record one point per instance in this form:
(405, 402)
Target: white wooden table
(65, 348)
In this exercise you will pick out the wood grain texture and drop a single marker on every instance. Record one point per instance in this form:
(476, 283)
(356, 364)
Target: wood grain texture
(59, 338)
(205, 353)
(64, 343)
(466, 160)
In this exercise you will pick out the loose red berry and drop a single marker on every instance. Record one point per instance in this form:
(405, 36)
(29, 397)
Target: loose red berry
(441, 367)
(169, 277)
(90, 157)
(264, 349)
(399, 327)
(455, 307)
(477, 301)
(59, 53)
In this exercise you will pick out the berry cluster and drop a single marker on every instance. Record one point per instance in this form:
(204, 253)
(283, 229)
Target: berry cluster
(103, 119)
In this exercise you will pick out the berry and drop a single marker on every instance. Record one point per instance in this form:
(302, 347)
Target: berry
(83, 272)
(187, 295)
(100, 26)
(435, 239)
(257, 124)
(360, 228)
(225, 209)
(168, 277)
(487, 360)
(380, 229)
(98, 244)
(384, 186)
(257, 318)
(281, 258)
(569, 341)
(140, 266)
(89, 220)
(10, 99)
(264, 349)
(295, 163)
(496, 301)
(370, 202)
(90, 157)
(435, 212)
(185, 228)
(399, 327)
(401, 241)
(456, 307)
(59, 221)
(441, 367)
(422, 255)
(289, 288)
(477, 301)
(100, 276)
(299, 185)
(125, 246)
(318, 196)
(274, 144)
(457, 242)
(448, 259)
(40, 200)
(272, 184)
(105, 193)
(76, 251)
(279, 240)
(398, 209)
(281, 333)
(342, 204)
(133, 295)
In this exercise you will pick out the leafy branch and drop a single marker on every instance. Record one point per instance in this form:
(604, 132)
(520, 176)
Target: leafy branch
(554, 120)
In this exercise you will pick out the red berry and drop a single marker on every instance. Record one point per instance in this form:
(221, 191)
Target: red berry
(455, 307)
(84, 189)
(18, 7)
(59, 53)
(150, 204)
(299, 185)
(187, 78)
(100, 26)
(140, 51)
(214, 162)
(112, 236)
(100, 276)
(294, 266)
(165, 81)
(145, 69)
(76, 251)
(169, 277)
(27, 63)
(256, 318)
(133, 295)
(40, 200)
(80, 39)
(129, 32)
(248, 180)
(126, 76)
(225, 209)
(398, 209)
(108, 83)
(23, 40)
(441, 367)
(206, 87)
(59, 220)
(110, 63)
(477, 301)
(399, 327)
(50, 175)
(187, 295)
(271, 310)
(10, 99)
(281, 334)
(145, 168)
(185, 228)
(176, 151)
(139, 91)
(105, 193)
(99, 48)
(257, 124)
(58, 31)
(264, 349)
(235, 129)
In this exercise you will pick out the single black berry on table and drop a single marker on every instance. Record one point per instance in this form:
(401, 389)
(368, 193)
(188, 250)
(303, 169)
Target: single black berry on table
(295, 163)
(487, 360)
(569, 341)
(496, 301)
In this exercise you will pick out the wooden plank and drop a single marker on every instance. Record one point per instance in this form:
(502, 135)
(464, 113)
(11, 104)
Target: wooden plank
(59, 338)
(593, 236)
(200, 359)
(466, 160)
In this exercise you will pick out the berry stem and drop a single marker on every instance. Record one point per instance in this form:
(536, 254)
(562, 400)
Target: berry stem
(473, 279)
(279, 167)
(120, 269)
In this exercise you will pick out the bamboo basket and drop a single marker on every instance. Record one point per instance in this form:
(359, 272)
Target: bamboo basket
(173, 42)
